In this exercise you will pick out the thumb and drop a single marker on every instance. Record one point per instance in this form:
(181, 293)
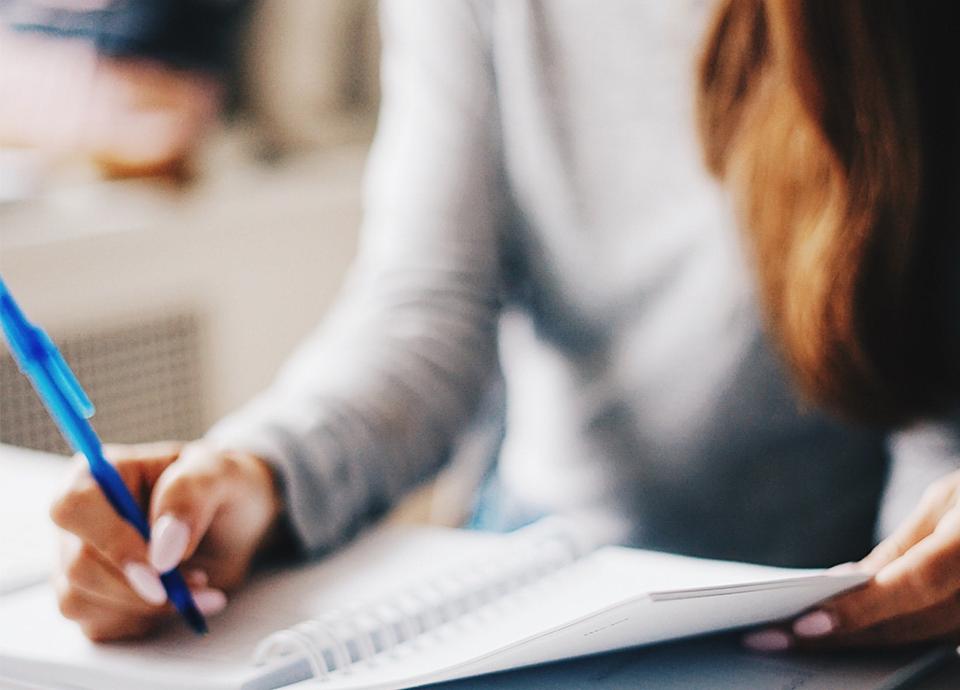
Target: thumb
(918, 525)
(185, 499)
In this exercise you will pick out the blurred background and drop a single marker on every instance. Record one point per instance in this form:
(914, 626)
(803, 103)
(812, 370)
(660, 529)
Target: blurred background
(179, 195)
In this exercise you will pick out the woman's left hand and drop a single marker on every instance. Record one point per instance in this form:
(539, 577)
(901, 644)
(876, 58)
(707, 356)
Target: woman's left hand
(914, 595)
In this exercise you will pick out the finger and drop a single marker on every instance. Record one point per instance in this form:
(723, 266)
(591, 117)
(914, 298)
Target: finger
(209, 600)
(141, 465)
(163, 452)
(83, 508)
(768, 640)
(929, 572)
(185, 499)
(95, 609)
(938, 622)
(85, 568)
(936, 500)
(97, 619)
(116, 627)
(85, 512)
(196, 578)
(83, 604)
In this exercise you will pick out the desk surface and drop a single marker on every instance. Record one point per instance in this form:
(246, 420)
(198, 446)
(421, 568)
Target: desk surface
(945, 678)
(28, 481)
(720, 663)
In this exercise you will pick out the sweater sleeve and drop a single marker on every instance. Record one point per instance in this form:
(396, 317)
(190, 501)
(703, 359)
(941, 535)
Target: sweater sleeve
(372, 401)
(918, 456)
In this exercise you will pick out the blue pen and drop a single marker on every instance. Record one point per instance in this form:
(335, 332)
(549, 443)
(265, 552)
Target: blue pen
(39, 359)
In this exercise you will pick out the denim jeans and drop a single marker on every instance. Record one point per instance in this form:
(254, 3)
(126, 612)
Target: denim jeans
(496, 510)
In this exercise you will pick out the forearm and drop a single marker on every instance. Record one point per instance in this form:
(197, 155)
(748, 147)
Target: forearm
(351, 425)
(372, 402)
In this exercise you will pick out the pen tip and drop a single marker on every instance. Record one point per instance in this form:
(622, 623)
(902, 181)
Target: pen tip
(195, 620)
(181, 599)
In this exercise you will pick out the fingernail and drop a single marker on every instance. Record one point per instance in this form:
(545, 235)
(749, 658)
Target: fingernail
(210, 601)
(768, 641)
(145, 582)
(197, 578)
(168, 542)
(816, 624)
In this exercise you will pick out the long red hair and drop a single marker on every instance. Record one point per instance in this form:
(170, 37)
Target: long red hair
(835, 124)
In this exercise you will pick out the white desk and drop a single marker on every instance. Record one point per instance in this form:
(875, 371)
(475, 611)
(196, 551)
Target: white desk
(29, 480)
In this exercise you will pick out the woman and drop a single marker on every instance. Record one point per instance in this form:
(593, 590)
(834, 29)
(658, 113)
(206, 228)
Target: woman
(536, 187)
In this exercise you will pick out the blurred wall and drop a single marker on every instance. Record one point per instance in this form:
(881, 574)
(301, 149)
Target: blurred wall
(257, 253)
(253, 251)
(312, 70)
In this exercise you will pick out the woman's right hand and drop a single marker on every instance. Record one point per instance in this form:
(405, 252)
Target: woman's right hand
(209, 510)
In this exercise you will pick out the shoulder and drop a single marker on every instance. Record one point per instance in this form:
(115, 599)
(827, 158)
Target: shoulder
(437, 17)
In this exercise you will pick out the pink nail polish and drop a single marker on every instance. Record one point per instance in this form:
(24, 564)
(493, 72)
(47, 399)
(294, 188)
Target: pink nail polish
(168, 542)
(145, 582)
(816, 624)
(768, 641)
(197, 578)
(210, 601)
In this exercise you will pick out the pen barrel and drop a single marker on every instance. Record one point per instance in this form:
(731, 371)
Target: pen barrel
(68, 405)
(83, 439)
(180, 597)
(122, 502)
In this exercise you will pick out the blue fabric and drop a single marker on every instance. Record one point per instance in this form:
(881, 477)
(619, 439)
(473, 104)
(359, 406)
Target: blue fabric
(495, 510)
(184, 33)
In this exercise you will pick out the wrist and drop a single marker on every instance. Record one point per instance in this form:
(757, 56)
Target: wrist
(268, 487)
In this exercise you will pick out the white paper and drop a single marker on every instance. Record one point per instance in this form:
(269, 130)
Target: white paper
(612, 598)
(29, 481)
(38, 644)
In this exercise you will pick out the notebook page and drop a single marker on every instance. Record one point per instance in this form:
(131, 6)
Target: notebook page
(37, 644)
(604, 601)
(29, 481)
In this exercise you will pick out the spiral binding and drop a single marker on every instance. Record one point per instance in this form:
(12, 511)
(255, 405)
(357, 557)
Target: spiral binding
(340, 640)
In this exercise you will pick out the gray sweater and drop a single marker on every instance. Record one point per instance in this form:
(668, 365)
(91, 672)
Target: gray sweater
(542, 253)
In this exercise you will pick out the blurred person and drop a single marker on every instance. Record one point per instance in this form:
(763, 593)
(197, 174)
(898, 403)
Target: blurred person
(132, 85)
(757, 370)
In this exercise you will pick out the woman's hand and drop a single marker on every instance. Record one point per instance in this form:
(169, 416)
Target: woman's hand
(210, 510)
(914, 595)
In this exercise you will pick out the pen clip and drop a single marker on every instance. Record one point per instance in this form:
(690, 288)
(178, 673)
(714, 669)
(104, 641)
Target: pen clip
(66, 381)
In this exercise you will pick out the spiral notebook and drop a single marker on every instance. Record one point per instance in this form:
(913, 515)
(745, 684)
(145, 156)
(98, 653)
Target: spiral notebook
(405, 607)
